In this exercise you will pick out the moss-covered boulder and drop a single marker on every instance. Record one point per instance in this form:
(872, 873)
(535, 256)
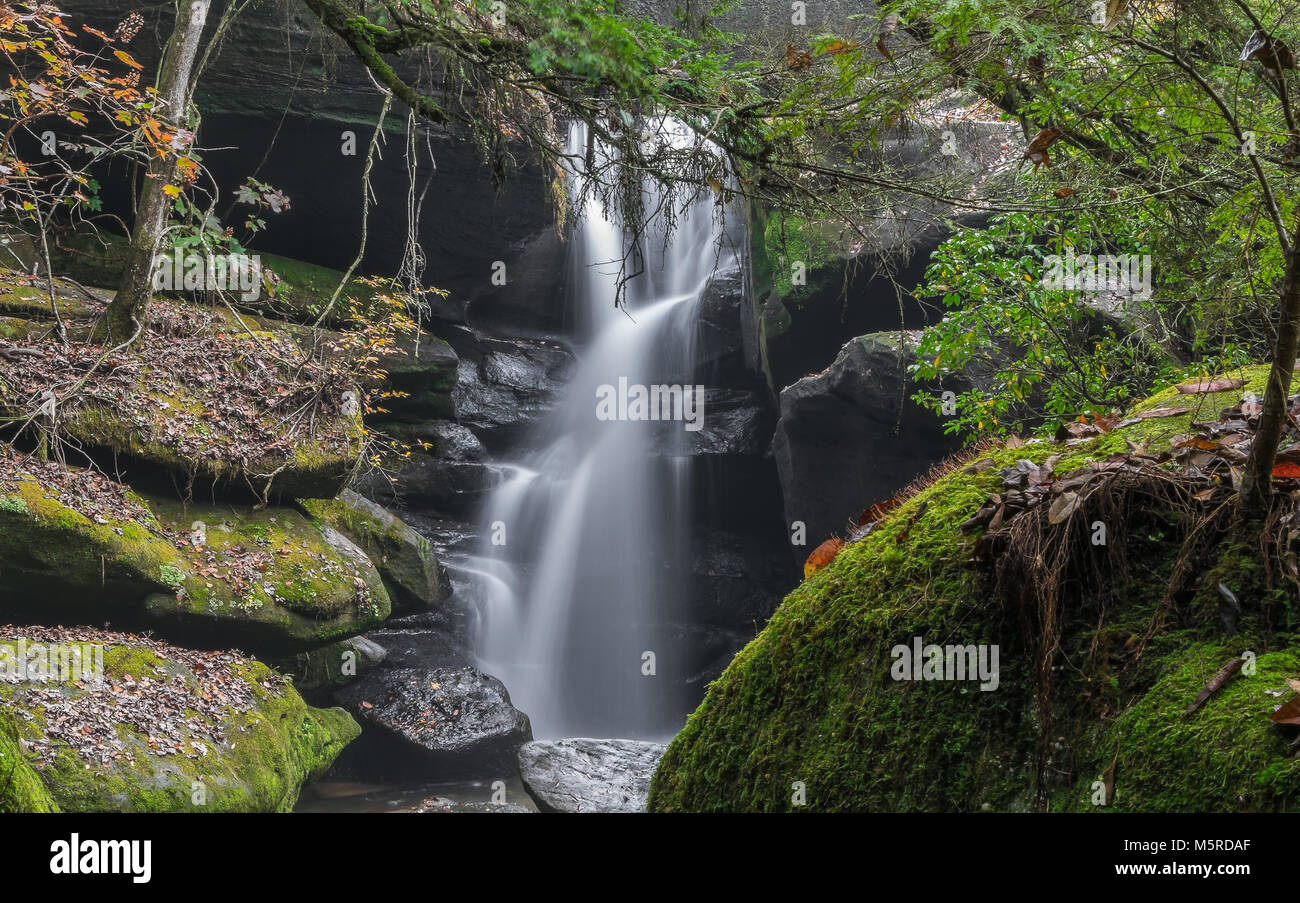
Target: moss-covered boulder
(411, 572)
(814, 715)
(75, 545)
(163, 730)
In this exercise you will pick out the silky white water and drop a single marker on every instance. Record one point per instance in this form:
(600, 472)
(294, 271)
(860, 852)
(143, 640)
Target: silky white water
(585, 545)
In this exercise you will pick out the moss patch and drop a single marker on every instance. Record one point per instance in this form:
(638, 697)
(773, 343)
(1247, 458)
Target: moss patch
(270, 748)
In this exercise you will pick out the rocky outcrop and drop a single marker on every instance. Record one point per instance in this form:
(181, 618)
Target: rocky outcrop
(405, 560)
(441, 722)
(162, 729)
(447, 470)
(267, 577)
(851, 436)
(506, 385)
(583, 775)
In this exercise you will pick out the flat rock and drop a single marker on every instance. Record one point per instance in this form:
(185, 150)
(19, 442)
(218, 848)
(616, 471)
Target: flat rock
(585, 775)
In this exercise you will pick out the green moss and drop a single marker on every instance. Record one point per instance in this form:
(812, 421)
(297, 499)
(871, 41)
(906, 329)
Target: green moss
(21, 788)
(304, 290)
(314, 588)
(811, 699)
(308, 469)
(268, 753)
(1227, 757)
(404, 558)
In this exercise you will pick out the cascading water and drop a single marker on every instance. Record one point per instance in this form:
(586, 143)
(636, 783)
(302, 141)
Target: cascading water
(585, 544)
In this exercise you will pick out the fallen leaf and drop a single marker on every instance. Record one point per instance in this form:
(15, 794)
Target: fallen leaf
(1064, 505)
(1214, 385)
(1225, 674)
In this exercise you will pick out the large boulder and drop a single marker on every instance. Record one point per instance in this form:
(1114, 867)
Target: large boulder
(162, 729)
(816, 713)
(411, 572)
(441, 722)
(584, 775)
(851, 436)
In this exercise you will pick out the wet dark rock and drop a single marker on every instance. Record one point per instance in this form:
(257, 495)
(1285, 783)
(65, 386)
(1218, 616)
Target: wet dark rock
(735, 579)
(720, 341)
(446, 721)
(736, 422)
(584, 775)
(705, 650)
(851, 436)
(507, 385)
(452, 476)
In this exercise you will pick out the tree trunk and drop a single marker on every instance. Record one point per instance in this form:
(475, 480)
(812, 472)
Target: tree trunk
(126, 313)
(1256, 482)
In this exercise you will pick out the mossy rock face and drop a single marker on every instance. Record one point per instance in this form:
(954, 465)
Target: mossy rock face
(1227, 756)
(21, 787)
(305, 289)
(270, 578)
(317, 585)
(166, 730)
(300, 295)
(412, 573)
(21, 298)
(809, 717)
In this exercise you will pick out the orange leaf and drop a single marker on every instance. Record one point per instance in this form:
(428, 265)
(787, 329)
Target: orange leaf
(797, 59)
(127, 58)
(1287, 470)
(835, 48)
(821, 556)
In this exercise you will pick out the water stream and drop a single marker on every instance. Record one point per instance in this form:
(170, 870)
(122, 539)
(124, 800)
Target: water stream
(585, 545)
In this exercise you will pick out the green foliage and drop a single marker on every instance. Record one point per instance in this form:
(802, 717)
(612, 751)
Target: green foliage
(1044, 355)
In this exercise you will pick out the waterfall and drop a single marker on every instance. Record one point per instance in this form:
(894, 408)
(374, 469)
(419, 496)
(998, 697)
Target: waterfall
(585, 544)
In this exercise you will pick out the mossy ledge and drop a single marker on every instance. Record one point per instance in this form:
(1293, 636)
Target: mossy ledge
(269, 748)
(268, 578)
(811, 699)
